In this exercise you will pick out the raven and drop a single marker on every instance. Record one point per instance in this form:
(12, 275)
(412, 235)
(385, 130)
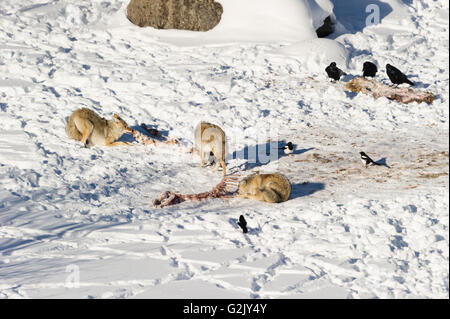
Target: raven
(369, 69)
(334, 72)
(396, 76)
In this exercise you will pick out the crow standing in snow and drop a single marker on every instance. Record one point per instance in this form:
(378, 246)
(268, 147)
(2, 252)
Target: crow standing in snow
(369, 69)
(396, 76)
(243, 224)
(334, 72)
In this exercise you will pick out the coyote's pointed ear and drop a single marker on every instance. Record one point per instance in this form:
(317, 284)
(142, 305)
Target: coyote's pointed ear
(116, 116)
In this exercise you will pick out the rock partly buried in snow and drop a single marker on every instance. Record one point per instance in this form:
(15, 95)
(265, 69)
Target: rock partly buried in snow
(194, 15)
(247, 21)
(326, 29)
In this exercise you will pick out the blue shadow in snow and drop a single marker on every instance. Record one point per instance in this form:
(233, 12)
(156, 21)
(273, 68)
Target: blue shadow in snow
(305, 189)
(382, 162)
(130, 138)
(263, 154)
(352, 13)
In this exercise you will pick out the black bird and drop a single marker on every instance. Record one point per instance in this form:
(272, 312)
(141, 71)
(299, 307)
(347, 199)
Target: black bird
(396, 76)
(243, 224)
(288, 148)
(366, 160)
(334, 72)
(369, 69)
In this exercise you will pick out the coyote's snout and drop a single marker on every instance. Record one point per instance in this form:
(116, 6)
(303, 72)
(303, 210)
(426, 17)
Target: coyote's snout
(210, 138)
(88, 127)
(271, 188)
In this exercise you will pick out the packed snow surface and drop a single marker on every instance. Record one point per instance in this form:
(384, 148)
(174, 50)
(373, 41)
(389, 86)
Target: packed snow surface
(78, 222)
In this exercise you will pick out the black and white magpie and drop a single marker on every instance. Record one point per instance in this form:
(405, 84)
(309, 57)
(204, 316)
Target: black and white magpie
(288, 148)
(243, 224)
(366, 160)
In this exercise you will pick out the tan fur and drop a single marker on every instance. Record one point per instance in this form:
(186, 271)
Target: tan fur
(271, 188)
(88, 127)
(210, 138)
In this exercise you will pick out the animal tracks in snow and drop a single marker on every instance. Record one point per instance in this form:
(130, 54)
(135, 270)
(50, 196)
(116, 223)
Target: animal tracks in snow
(347, 231)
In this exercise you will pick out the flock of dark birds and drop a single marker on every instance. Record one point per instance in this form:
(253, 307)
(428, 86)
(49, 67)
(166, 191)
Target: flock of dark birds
(334, 73)
(396, 76)
(370, 70)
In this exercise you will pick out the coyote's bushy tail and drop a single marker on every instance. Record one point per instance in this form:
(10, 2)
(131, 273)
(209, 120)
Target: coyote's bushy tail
(72, 130)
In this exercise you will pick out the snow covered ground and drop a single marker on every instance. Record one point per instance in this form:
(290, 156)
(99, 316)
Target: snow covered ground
(78, 223)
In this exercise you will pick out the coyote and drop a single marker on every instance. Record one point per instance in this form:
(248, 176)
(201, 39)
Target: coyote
(210, 140)
(271, 188)
(88, 127)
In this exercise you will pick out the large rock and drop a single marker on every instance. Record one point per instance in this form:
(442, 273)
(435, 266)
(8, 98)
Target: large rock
(326, 29)
(194, 15)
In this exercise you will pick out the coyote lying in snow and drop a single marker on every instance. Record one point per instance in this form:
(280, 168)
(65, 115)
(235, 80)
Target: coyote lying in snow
(271, 188)
(88, 127)
(210, 138)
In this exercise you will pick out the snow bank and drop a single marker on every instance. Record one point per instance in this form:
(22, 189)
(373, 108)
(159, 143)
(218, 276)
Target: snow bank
(270, 21)
(254, 21)
(315, 54)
